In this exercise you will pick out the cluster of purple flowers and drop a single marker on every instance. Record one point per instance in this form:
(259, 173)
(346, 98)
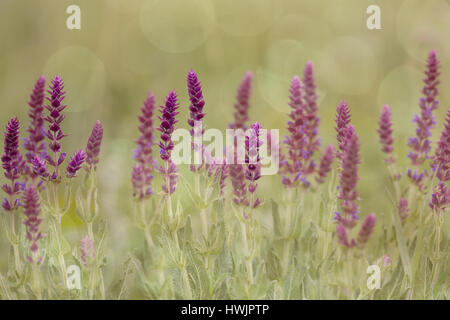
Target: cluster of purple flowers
(33, 172)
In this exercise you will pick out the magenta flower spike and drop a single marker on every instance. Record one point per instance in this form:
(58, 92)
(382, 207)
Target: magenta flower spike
(32, 210)
(367, 228)
(54, 119)
(325, 164)
(196, 99)
(242, 104)
(420, 144)
(93, 146)
(349, 178)
(39, 167)
(385, 133)
(253, 159)
(311, 118)
(75, 163)
(292, 163)
(237, 177)
(441, 159)
(342, 119)
(167, 126)
(34, 143)
(12, 163)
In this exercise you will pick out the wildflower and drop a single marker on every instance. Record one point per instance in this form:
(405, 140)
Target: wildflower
(385, 133)
(366, 228)
(343, 236)
(31, 210)
(93, 146)
(310, 115)
(55, 117)
(421, 145)
(76, 161)
(168, 113)
(253, 159)
(350, 161)
(403, 209)
(441, 159)
(296, 141)
(87, 250)
(34, 144)
(237, 177)
(325, 164)
(242, 104)
(342, 119)
(12, 164)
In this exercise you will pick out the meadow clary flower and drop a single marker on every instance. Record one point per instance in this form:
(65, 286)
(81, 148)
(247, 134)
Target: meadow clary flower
(242, 104)
(39, 167)
(253, 159)
(34, 143)
(93, 146)
(349, 178)
(141, 176)
(237, 177)
(12, 163)
(32, 210)
(421, 145)
(296, 140)
(441, 159)
(325, 164)
(385, 133)
(311, 119)
(75, 163)
(342, 119)
(367, 228)
(167, 126)
(54, 119)
(403, 209)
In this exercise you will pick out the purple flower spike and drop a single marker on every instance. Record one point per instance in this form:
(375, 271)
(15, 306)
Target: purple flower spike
(385, 133)
(325, 164)
(11, 158)
(237, 177)
(31, 210)
(54, 119)
(343, 118)
(93, 146)
(441, 159)
(421, 145)
(168, 113)
(242, 104)
(366, 228)
(311, 119)
(34, 144)
(76, 161)
(196, 99)
(440, 199)
(349, 177)
(296, 140)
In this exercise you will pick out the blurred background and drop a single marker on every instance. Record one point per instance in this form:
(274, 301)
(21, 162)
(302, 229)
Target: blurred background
(125, 48)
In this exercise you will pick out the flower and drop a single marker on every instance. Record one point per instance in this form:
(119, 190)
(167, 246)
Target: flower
(310, 114)
(342, 236)
(441, 159)
(34, 143)
(93, 146)
(55, 117)
(366, 228)
(385, 133)
(342, 119)
(87, 250)
(242, 104)
(139, 180)
(440, 198)
(325, 164)
(421, 145)
(31, 210)
(350, 161)
(167, 126)
(237, 177)
(296, 141)
(76, 161)
(196, 98)
(170, 174)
